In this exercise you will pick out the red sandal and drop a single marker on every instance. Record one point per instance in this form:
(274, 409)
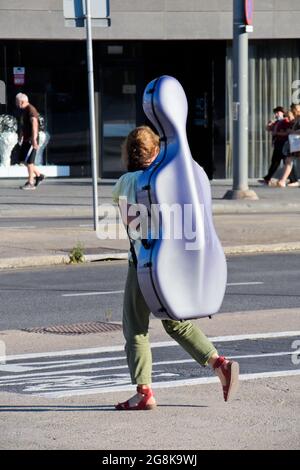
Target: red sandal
(142, 404)
(231, 374)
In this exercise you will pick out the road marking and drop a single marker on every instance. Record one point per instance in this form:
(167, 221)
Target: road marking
(20, 368)
(18, 228)
(230, 284)
(64, 377)
(104, 349)
(168, 384)
(94, 293)
(122, 291)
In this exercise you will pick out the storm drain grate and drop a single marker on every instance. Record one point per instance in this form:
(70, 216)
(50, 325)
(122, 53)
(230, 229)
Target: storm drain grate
(77, 328)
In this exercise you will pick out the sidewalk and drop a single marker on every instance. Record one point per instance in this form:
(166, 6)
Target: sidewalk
(264, 414)
(32, 233)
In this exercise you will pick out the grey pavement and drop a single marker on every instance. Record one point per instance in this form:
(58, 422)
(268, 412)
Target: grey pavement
(271, 223)
(264, 414)
(42, 227)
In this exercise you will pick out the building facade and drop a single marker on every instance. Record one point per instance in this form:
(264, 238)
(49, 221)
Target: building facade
(190, 39)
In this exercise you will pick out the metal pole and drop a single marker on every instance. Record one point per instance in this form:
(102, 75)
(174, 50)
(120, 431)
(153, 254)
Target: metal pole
(240, 188)
(5, 75)
(240, 99)
(89, 48)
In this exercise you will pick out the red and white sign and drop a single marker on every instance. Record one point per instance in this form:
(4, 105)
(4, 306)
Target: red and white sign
(19, 75)
(249, 12)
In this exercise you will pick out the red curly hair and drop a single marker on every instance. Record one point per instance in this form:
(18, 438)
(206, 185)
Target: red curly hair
(138, 148)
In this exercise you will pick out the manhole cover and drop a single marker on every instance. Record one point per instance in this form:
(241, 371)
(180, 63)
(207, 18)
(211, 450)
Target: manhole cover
(77, 328)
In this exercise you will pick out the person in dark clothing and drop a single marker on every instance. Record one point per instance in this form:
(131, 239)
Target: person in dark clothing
(279, 127)
(28, 132)
(289, 167)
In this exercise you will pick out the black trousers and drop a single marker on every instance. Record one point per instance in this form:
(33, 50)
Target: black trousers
(277, 156)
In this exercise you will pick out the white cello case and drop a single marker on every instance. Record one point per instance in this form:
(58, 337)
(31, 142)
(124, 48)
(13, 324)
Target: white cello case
(181, 267)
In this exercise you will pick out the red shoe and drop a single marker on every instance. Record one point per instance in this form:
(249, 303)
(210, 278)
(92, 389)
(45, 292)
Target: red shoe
(142, 404)
(230, 370)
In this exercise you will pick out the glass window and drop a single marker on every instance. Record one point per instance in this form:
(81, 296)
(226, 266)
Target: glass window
(56, 82)
(274, 68)
(118, 108)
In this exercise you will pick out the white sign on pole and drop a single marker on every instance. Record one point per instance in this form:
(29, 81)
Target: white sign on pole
(2, 92)
(75, 11)
(87, 13)
(19, 75)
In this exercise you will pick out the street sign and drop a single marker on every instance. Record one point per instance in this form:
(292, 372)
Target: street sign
(2, 92)
(75, 13)
(249, 12)
(19, 75)
(89, 13)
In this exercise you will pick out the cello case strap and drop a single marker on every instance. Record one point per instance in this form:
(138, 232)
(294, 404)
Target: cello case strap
(132, 251)
(133, 254)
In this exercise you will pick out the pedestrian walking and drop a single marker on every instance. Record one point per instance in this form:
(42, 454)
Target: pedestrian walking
(139, 150)
(279, 127)
(28, 132)
(292, 156)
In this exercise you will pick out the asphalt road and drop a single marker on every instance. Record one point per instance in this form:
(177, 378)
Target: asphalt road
(23, 223)
(71, 294)
(58, 392)
(100, 370)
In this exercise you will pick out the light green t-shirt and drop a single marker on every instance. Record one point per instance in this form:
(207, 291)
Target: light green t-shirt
(125, 187)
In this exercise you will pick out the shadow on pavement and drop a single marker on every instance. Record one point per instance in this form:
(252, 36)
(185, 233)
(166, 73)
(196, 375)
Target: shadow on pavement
(39, 408)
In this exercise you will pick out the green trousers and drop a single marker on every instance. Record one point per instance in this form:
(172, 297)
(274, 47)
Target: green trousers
(135, 327)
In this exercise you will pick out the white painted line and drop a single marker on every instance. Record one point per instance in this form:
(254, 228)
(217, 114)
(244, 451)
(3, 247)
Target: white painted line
(245, 356)
(73, 372)
(220, 339)
(230, 284)
(17, 228)
(251, 356)
(64, 353)
(94, 293)
(20, 369)
(275, 334)
(39, 366)
(122, 291)
(170, 384)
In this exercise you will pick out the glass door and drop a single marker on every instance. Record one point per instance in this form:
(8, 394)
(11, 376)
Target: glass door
(118, 113)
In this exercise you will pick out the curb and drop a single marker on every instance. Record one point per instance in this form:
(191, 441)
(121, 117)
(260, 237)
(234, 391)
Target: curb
(106, 211)
(52, 260)
(110, 212)
(33, 261)
(251, 208)
(261, 248)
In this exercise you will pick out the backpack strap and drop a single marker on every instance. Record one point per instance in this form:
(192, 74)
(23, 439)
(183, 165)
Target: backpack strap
(132, 250)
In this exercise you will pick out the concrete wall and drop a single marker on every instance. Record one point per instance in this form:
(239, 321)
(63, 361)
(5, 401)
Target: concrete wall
(150, 19)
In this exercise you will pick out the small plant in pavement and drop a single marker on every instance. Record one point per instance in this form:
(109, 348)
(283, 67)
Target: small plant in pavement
(77, 254)
(108, 315)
